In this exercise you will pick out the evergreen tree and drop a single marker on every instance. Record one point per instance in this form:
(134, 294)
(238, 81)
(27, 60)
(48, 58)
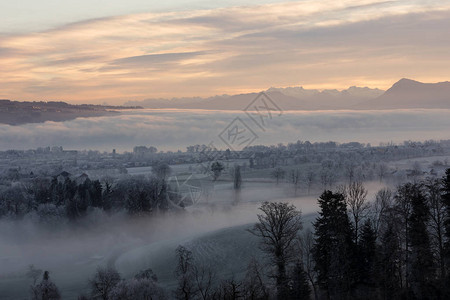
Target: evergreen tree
(334, 247)
(422, 269)
(390, 263)
(446, 201)
(45, 290)
(368, 277)
(299, 288)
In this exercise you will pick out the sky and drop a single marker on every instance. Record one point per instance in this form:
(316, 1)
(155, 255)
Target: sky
(111, 51)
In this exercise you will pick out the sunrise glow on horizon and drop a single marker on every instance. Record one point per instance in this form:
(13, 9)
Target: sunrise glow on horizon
(149, 51)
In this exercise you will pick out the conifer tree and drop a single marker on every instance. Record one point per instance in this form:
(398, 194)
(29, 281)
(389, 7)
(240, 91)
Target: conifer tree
(334, 247)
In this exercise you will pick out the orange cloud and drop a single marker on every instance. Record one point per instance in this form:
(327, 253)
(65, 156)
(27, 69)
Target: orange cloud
(229, 50)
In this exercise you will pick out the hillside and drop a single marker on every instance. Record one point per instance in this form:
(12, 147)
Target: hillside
(17, 113)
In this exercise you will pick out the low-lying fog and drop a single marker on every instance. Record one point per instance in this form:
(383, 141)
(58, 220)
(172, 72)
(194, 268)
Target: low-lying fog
(177, 128)
(72, 253)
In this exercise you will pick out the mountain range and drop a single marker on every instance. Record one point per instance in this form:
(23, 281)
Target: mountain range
(404, 94)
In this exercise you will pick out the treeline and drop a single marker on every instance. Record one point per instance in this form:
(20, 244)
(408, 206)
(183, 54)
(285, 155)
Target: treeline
(395, 247)
(61, 198)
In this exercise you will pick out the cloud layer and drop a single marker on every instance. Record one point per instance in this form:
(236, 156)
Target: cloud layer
(229, 50)
(175, 129)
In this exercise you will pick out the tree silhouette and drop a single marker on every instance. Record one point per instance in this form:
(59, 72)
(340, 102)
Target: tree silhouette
(278, 227)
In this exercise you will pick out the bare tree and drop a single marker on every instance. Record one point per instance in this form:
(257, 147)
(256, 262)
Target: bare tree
(295, 179)
(105, 279)
(382, 170)
(327, 177)
(437, 217)
(355, 195)
(380, 207)
(278, 227)
(204, 280)
(230, 289)
(255, 288)
(310, 177)
(34, 273)
(416, 171)
(278, 173)
(349, 169)
(185, 273)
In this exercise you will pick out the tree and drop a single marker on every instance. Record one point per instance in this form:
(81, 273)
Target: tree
(216, 169)
(446, 200)
(310, 177)
(349, 170)
(143, 286)
(45, 290)
(295, 179)
(203, 278)
(33, 273)
(368, 274)
(381, 170)
(230, 289)
(161, 170)
(278, 173)
(416, 171)
(278, 227)
(103, 282)
(333, 248)
(355, 195)
(237, 178)
(380, 208)
(401, 215)
(299, 288)
(437, 217)
(327, 177)
(390, 262)
(137, 288)
(146, 274)
(185, 273)
(421, 257)
(307, 244)
(255, 288)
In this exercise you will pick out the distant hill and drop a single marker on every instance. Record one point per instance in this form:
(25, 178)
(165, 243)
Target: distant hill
(407, 93)
(291, 98)
(17, 113)
(404, 94)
